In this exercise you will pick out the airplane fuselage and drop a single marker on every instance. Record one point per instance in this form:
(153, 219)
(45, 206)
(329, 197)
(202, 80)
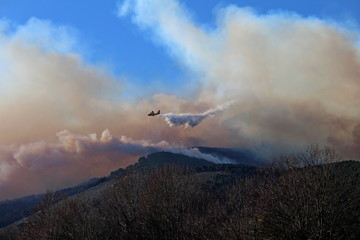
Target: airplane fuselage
(151, 114)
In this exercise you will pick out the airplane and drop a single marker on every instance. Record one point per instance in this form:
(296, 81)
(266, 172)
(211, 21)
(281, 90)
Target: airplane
(154, 114)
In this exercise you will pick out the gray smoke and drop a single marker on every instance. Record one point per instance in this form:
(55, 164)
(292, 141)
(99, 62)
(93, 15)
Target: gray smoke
(73, 158)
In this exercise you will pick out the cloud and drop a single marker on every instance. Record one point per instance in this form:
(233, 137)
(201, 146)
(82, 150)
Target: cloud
(295, 79)
(43, 34)
(46, 85)
(124, 8)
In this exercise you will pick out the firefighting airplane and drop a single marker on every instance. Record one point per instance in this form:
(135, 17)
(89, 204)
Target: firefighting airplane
(154, 114)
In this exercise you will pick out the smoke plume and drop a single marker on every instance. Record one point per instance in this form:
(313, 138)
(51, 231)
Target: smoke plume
(295, 81)
(36, 166)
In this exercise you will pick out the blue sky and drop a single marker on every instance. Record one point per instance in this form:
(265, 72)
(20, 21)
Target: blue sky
(128, 51)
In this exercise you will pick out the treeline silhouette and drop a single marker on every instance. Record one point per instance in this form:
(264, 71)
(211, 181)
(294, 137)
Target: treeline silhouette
(310, 195)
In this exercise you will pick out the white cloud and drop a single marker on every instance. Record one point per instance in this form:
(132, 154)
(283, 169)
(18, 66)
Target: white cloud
(123, 8)
(43, 34)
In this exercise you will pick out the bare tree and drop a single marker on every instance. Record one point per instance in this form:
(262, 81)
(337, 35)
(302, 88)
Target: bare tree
(172, 205)
(238, 215)
(123, 207)
(68, 218)
(301, 203)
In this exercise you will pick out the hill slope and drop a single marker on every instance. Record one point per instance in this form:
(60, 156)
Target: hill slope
(14, 210)
(173, 187)
(211, 202)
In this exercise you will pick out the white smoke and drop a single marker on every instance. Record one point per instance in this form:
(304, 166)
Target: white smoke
(191, 119)
(186, 119)
(196, 153)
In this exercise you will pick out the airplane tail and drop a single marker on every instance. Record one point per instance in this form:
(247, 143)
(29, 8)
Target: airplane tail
(158, 112)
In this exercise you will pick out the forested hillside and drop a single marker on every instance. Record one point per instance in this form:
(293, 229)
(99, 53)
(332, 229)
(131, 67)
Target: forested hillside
(304, 196)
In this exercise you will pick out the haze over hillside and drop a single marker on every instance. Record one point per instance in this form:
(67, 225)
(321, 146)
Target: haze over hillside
(14, 210)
